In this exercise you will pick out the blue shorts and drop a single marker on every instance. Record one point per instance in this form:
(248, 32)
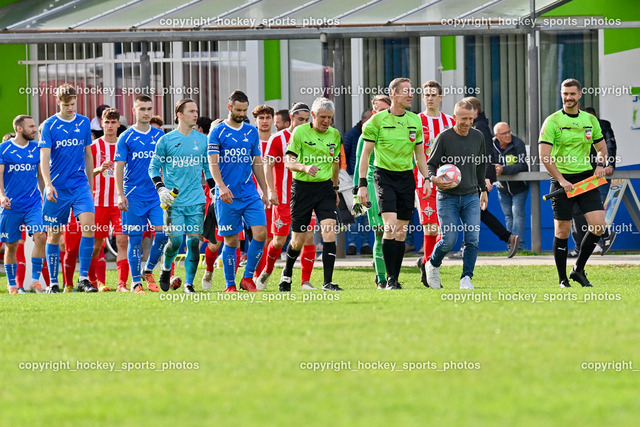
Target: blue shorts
(57, 214)
(179, 220)
(140, 214)
(11, 223)
(230, 216)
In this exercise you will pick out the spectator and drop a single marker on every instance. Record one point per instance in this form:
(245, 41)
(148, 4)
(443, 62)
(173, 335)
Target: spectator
(509, 158)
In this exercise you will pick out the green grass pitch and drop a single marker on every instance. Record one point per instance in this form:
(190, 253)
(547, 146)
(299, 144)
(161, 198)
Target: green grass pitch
(362, 357)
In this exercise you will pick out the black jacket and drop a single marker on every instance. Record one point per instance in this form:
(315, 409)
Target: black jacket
(481, 123)
(610, 138)
(513, 160)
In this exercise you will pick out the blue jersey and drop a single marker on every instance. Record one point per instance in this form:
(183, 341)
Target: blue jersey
(67, 141)
(21, 175)
(136, 149)
(182, 159)
(236, 149)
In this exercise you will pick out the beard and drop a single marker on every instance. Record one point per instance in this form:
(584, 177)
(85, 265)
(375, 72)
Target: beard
(237, 119)
(28, 136)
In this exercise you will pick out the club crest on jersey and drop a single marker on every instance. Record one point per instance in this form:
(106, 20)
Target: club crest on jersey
(587, 133)
(245, 138)
(195, 145)
(332, 149)
(412, 135)
(428, 211)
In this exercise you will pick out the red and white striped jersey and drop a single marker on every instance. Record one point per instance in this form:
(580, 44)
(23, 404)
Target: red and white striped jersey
(263, 148)
(431, 127)
(104, 184)
(283, 177)
(263, 152)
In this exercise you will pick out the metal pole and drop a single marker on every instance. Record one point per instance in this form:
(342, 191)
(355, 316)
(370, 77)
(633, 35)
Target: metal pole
(338, 118)
(145, 68)
(533, 112)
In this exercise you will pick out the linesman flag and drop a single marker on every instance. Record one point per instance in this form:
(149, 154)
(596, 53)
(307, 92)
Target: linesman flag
(583, 186)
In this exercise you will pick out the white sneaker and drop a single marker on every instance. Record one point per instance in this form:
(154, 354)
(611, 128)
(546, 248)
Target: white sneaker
(206, 280)
(307, 286)
(263, 280)
(433, 276)
(465, 283)
(597, 249)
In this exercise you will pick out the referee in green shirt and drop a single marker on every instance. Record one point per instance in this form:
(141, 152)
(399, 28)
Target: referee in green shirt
(314, 157)
(395, 135)
(565, 143)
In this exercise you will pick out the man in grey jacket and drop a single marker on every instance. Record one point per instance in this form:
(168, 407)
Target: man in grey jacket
(509, 158)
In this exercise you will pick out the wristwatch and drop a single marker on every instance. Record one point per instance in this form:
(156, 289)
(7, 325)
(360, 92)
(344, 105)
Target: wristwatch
(600, 164)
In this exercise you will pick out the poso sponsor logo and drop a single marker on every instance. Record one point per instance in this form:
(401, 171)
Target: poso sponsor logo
(182, 162)
(142, 155)
(69, 143)
(23, 167)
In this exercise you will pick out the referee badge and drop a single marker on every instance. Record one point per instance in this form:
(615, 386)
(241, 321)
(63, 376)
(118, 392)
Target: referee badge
(587, 133)
(412, 135)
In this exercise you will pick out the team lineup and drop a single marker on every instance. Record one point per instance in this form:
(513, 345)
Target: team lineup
(236, 181)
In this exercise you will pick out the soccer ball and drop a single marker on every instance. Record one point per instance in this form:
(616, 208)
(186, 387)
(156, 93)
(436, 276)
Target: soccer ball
(451, 173)
(175, 282)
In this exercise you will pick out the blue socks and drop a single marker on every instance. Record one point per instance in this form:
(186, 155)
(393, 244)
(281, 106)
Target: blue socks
(11, 270)
(253, 257)
(84, 255)
(134, 255)
(156, 250)
(53, 260)
(36, 268)
(229, 264)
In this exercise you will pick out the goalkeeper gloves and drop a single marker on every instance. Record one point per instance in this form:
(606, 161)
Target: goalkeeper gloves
(358, 208)
(167, 197)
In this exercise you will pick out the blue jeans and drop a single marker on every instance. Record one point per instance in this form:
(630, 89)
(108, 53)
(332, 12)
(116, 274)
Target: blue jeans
(513, 209)
(458, 213)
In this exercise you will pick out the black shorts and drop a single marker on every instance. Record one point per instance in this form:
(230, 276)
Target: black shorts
(210, 224)
(563, 206)
(395, 192)
(307, 197)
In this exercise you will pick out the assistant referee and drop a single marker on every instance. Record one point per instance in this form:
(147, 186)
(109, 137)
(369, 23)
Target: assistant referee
(565, 143)
(395, 136)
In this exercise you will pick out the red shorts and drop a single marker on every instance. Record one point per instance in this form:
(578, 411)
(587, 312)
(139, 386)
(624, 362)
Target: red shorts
(106, 218)
(427, 207)
(281, 220)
